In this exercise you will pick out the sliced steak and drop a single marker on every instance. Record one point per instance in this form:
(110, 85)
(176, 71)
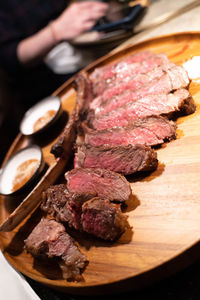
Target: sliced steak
(122, 159)
(64, 206)
(109, 69)
(150, 131)
(175, 78)
(105, 183)
(103, 219)
(49, 239)
(141, 62)
(159, 104)
(131, 83)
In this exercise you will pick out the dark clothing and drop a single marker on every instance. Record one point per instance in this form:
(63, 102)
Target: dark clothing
(20, 19)
(24, 86)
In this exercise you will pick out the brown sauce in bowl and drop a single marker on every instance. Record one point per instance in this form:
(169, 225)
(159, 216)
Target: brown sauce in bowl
(42, 121)
(24, 172)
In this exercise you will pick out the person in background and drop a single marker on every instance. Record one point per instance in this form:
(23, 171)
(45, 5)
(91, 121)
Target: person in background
(29, 30)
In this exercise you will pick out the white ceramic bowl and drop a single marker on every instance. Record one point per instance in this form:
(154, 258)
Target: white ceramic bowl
(41, 116)
(21, 170)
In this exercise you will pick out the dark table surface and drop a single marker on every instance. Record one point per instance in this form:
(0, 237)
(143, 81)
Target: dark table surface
(184, 285)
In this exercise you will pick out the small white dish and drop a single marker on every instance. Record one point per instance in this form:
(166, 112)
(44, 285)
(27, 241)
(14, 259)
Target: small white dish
(41, 116)
(21, 170)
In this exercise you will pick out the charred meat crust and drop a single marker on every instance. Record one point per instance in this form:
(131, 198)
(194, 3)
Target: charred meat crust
(188, 106)
(64, 145)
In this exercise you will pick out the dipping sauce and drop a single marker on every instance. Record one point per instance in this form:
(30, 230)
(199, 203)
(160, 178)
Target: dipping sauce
(42, 121)
(24, 172)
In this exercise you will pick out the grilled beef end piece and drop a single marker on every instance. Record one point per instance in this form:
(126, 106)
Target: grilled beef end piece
(84, 94)
(122, 159)
(83, 97)
(64, 144)
(105, 183)
(103, 219)
(149, 131)
(54, 199)
(49, 239)
(64, 206)
(174, 78)
(159, 104)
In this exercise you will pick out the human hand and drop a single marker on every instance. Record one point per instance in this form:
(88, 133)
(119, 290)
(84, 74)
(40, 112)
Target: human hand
(77, 18)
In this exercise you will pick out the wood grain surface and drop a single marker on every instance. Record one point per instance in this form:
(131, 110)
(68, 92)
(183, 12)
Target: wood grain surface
(164, 212)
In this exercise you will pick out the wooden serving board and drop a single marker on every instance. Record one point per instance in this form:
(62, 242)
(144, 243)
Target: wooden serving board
(164, 212)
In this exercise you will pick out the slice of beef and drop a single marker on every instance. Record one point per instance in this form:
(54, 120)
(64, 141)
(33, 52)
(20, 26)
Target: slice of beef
(158, 104)
(109, 69)
(105, 183)
(64, 206)
(49, 239)
(103, 219)
(122, 159)
(131, 83)
(105, 77)
(151, 131)
(63, 146)
(175, 78)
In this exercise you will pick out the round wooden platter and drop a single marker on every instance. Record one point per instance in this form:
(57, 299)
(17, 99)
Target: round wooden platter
(164, 212)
